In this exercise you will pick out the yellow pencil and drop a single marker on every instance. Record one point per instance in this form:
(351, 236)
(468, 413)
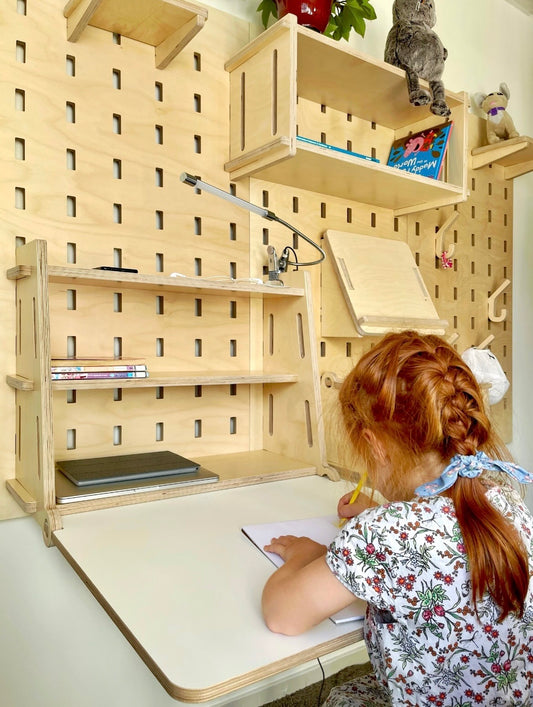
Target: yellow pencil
(354, 495)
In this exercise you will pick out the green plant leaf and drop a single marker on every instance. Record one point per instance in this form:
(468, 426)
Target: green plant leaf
(267, 8)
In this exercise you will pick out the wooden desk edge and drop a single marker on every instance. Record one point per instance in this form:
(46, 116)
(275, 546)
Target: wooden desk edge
(222, 688)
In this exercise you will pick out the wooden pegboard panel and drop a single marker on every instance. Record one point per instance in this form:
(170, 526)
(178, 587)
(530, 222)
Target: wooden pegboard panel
(93, 141)
(481, 235)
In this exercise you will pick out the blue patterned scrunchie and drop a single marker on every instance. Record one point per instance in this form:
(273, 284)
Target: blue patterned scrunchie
(471, 466)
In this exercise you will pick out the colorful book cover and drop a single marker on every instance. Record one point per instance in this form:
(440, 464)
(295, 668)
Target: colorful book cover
(423, 152)
(96, 369)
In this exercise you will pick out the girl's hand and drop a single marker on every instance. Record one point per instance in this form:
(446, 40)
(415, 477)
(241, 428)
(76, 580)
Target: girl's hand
(298, 550)
(345, 509)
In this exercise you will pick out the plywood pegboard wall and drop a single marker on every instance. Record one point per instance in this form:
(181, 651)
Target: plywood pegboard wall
(93, 142)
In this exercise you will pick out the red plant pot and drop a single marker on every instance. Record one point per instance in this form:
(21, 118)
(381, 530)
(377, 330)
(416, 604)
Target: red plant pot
(309, 13)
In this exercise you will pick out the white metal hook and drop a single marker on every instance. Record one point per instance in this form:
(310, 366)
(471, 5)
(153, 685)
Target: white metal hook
(492, 300)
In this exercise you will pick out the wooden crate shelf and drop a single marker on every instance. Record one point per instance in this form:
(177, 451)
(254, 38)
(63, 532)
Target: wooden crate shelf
(290, 73)
(167, 25)
(275, 326)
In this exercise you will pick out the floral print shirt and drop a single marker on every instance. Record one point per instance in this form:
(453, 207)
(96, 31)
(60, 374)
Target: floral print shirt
(426, 644)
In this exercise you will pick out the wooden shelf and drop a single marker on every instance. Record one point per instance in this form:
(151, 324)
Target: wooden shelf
(320, 170)
(134, 281)
(289, 75)
(274, 356)
(157, 380)
(167, 25)
(515, 155)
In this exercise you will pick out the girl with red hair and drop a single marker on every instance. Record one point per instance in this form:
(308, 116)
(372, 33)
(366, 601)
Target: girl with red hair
(446, 564)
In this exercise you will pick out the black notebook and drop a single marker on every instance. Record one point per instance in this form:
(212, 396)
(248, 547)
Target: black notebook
(126, 467)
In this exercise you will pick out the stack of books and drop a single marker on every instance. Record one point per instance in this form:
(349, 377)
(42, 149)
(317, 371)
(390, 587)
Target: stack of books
(97, 368)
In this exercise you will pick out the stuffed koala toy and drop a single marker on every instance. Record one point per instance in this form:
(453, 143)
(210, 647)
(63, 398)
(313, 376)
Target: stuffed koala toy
(413, 46)
(500, 125)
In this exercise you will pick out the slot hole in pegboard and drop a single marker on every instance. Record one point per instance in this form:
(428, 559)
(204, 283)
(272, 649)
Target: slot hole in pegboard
(21, 7)
(71, 206)
(233, 389)
(197, 307)
(117, 395)
(159, 220)
(158, 130)
(198, 391)
(159, 262)
(159, 347)
(158, 91)
(159, 304)
(233, 425)
(308, 424)
(117, 79)
(71, 396)
(71, 158)
(117, 124)
(197, 103)
(20, 99)
(117, 435)
(159, 176)
(323, 348)
(70, 65)
(71, 300)
(71, 438)
(20, 52)
(70, 112)
(20, 198)
(348, 215)
(159, 431)
(197, 429)
(274, 101)
(233, 231)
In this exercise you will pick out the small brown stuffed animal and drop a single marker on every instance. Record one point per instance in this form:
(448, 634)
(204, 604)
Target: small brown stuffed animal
(413, 46)
(500, 125)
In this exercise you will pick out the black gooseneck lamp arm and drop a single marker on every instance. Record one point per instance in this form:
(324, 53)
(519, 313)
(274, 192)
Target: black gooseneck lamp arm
(275, 265)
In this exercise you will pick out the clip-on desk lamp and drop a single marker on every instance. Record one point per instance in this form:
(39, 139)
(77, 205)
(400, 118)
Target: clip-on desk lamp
(275, 265)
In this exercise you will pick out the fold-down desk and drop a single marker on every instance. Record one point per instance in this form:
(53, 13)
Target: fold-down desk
(184, 584)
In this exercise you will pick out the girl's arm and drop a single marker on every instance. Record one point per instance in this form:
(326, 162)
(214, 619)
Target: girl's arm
(304, 591)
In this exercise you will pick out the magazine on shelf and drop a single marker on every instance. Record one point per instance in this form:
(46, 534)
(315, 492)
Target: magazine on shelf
(422, 152)
(97, 375)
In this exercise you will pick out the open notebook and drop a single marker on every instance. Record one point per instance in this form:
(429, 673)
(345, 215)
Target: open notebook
(323, 530)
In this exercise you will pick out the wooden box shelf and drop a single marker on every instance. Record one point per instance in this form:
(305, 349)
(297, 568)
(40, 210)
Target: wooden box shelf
(284, 79)
(167, 25)
(280, 435)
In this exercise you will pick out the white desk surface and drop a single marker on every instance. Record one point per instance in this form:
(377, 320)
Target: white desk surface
(184, 584)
